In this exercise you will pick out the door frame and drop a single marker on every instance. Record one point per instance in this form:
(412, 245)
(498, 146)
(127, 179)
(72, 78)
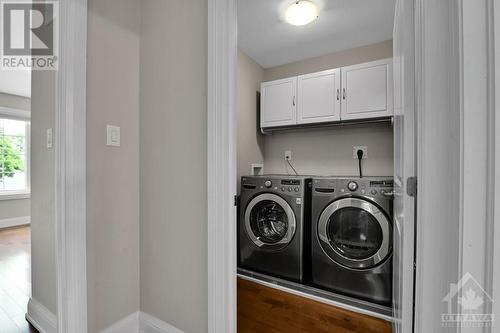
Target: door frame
(456, 153)
(495, 56)
(442, 21)
(70, 150)
(221, 165)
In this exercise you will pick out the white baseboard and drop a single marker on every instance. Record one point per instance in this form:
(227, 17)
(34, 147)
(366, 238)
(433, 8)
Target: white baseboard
(15, 221)
(129, 324)
(150, 324)
(40, 317)
(140, 322)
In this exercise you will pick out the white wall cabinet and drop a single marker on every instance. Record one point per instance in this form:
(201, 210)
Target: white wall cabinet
(279, 103)
(367, 90)
(357, 92)
(318, 97)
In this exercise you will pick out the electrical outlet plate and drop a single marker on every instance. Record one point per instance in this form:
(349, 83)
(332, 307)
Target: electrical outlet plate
(112, 136)
(355, 151)
(288, 155)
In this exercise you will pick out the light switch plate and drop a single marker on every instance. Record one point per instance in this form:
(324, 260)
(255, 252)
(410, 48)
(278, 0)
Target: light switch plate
(112, 136)
(50, 138)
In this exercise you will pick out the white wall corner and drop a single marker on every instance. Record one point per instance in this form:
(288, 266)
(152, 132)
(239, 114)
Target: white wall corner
(15, 221)
(40, 317)
(129, 324)
(150, 324)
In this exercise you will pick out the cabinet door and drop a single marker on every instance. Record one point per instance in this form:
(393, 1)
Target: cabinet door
(278, 103)
(367, 90)
(318, 97)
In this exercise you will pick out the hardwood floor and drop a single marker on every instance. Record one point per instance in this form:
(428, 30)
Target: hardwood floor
(15, 280)
(263, 309)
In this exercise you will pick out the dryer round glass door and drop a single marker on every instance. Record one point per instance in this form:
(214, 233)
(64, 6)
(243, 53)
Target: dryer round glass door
(270, 221)
(355, 233)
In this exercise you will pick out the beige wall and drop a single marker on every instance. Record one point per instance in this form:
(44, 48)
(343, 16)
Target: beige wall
(18, 207)
(173, 148)
(43, 270)
(334, 60)
(16, 102)
(329, 151)
(250, 140)
(14, 208)
(112, 172)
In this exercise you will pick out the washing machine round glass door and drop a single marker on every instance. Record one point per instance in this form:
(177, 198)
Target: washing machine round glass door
(270, 221)
(355, 233)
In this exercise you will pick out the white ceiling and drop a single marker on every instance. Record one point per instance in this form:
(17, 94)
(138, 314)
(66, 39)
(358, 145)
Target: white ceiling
(15, 82)
(342, 25)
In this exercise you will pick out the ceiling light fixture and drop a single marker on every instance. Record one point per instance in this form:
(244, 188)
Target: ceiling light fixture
(301, 12)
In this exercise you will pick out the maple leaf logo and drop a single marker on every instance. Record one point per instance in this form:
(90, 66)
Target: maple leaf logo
(470, 301)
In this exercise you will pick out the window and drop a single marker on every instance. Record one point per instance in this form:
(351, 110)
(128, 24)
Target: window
(14, 156)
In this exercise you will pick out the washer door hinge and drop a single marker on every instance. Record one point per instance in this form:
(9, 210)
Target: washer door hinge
(411, 186)
(236, 201)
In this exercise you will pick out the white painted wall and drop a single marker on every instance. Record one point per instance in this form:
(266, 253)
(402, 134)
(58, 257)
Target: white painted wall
(173, 154)
(43, 268)
(112, 172)
(250, 139)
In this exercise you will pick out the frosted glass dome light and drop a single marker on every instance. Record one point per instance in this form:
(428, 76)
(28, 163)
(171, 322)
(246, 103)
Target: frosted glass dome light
(301, 12)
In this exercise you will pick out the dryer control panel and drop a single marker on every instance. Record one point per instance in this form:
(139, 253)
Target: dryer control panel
(367, 186)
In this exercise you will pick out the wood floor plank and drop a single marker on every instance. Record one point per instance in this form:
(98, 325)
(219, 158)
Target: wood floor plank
(7, 325)
(24, 325)
(9, 306)
(264, 309)
(15, 280)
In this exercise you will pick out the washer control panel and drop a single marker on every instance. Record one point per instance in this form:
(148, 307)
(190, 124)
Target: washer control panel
(289, 186)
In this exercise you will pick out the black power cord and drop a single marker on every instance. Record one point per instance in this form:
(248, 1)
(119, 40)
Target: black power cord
(360, 157)
(291, 166)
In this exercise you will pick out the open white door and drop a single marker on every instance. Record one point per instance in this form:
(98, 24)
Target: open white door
(404, 165)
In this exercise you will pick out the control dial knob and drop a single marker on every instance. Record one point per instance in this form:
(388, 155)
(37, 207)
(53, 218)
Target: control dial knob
(268, 183)
(352, 186)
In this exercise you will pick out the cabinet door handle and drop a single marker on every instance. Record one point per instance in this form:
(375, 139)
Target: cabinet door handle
(293, 100)
(343, 90)
(338, 94)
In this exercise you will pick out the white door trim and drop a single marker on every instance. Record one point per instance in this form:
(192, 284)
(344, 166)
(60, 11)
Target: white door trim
(478, 146)
(70, 150)
(456, 154)
(221, 137)
(496, 105)
(439, 94)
